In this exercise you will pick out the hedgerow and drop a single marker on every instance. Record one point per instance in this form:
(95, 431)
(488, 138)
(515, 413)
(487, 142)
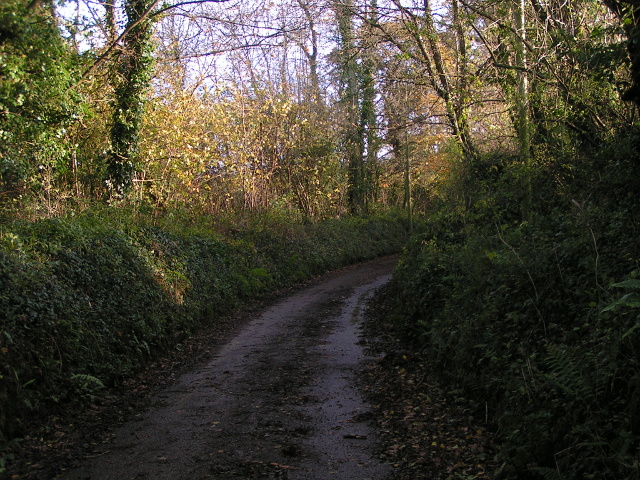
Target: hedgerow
(538, 321)
(87, 301)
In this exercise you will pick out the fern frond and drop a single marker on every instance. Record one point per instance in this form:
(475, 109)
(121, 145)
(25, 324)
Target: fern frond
(88, 382)
(549, 473)
(565, 371)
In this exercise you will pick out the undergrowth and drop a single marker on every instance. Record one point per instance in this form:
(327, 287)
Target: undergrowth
(538, 320)
(87, 300)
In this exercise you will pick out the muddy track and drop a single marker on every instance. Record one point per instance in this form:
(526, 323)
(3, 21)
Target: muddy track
(279, 400)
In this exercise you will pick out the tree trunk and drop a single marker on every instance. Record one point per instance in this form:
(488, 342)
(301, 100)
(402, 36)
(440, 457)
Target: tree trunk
(522, 106)
(407, 183)
(426, 37)
(134, 75)
(350, 98)
(110, 19)
(312, 55)
(368, 120)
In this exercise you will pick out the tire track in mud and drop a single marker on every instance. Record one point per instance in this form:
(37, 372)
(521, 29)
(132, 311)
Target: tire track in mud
(279, 400)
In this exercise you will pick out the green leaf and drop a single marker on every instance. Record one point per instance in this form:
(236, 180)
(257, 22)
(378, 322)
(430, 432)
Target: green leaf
(631, 330)
(630, 283)
(259, 273)
(88, 382)
(629, 300)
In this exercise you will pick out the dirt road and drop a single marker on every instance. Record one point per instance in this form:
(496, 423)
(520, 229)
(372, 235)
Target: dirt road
(280, 400)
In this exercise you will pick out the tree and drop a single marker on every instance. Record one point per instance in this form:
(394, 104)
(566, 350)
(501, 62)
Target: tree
(522, 104)
(368, 115)
(413, 31)
(134, 74)
(349, 93)
(357, 66)
(310, 48)
(628, 12)
(37, 104)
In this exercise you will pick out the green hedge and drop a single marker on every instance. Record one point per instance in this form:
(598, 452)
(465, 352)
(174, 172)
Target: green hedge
(538, 321)
(87, 301)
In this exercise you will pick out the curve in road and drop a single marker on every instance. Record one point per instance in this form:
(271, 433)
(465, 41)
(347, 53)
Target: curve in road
(279, 400)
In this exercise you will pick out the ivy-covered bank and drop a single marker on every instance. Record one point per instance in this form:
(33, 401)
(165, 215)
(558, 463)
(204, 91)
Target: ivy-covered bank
(537, 321)
(87, 301)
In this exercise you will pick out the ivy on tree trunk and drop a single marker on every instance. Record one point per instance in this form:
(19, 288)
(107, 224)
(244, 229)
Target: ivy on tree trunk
(131, 84)
(358, 98)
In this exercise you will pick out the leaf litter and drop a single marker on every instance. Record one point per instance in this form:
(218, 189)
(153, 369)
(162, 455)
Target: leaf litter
(428, 430)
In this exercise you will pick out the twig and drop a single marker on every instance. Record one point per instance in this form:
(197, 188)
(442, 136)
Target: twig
(533, 284)
(594, 244)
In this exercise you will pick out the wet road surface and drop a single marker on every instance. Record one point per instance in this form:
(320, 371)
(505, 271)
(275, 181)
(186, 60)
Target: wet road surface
(279, 400)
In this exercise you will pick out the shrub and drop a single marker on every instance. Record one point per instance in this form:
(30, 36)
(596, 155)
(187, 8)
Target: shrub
(524, 317)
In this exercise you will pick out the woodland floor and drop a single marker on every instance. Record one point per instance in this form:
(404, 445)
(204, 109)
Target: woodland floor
(306, 387)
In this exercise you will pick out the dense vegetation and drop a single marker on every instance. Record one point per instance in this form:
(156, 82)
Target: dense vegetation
(90, 300)
(131, 132)
(538, 321)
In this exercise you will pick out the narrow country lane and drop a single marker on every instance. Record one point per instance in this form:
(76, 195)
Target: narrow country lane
(279, 400)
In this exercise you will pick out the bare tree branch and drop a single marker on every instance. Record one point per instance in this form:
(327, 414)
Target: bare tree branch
(146, 15)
